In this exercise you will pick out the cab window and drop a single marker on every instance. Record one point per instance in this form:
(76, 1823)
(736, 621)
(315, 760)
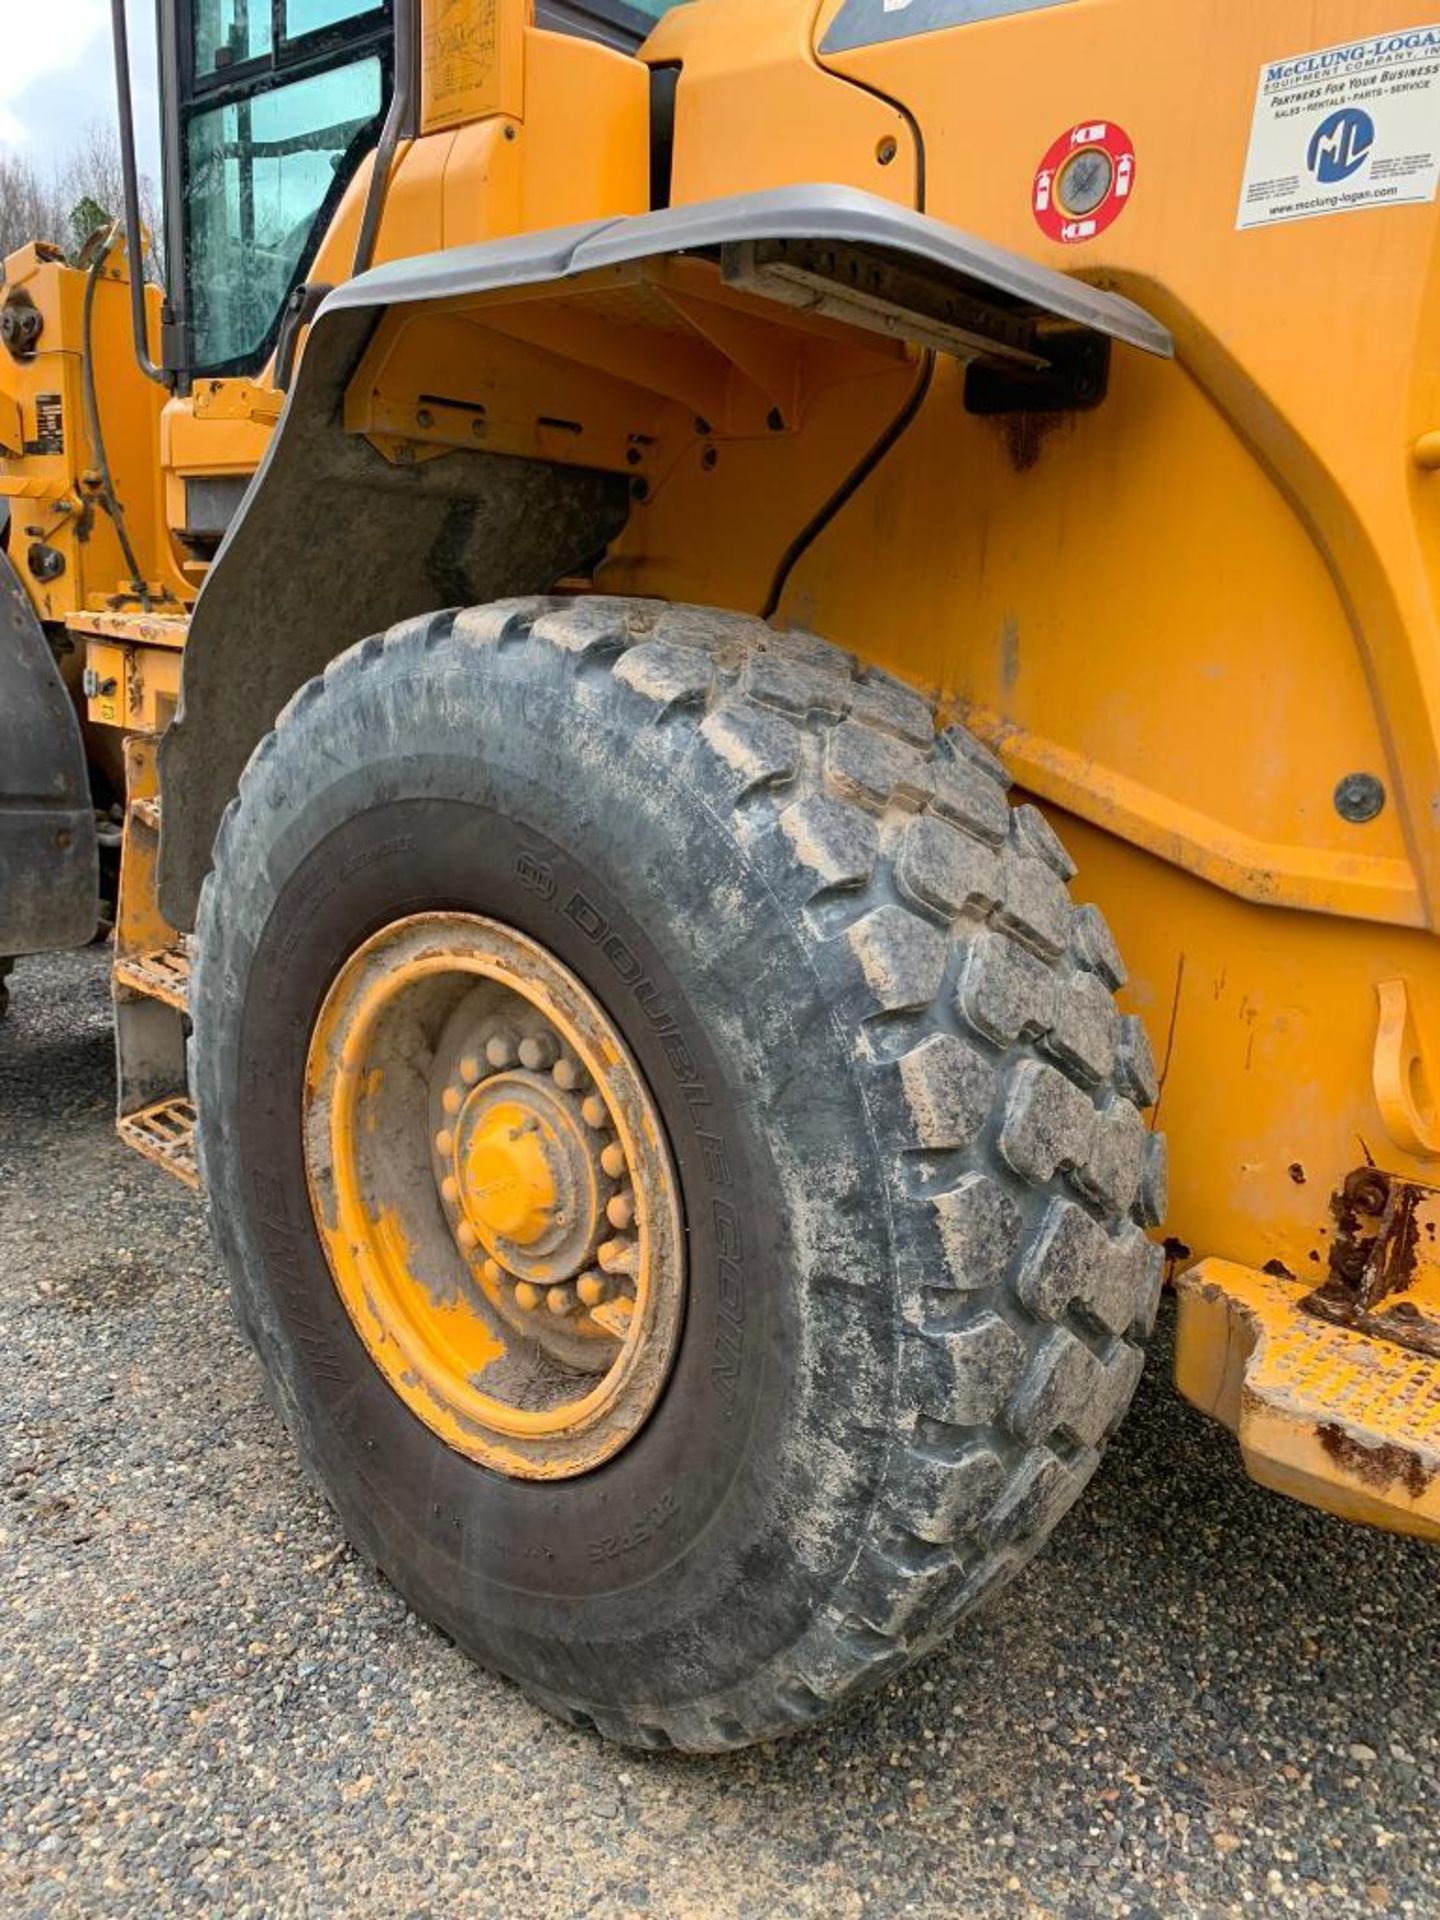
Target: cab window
(281, 100)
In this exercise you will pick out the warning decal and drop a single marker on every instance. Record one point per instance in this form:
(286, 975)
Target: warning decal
(1346, 128)
(1084, 181)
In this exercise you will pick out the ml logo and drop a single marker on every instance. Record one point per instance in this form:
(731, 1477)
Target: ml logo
(1340, 145)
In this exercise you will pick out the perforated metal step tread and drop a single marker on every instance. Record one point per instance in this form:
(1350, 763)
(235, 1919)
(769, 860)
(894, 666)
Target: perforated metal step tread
(163, 974)
(165, 1133)
(1336, 1417)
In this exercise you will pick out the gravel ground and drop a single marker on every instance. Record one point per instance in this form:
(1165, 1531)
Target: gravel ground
(1202, 1700)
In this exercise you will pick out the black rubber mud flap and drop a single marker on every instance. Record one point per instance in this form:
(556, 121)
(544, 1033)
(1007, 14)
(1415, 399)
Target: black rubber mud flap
(49, 872)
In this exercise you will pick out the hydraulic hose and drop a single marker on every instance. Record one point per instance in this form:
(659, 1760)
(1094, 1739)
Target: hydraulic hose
(106, 493)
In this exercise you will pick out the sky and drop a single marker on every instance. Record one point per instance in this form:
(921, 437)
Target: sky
(57, 74)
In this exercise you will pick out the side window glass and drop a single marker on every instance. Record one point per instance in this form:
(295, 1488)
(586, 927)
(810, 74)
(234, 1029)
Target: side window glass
(228, 32)
(309, 16)
(260, 171)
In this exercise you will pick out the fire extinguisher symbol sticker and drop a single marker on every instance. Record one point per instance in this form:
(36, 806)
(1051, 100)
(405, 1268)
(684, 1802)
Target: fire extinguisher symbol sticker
(1084, 181)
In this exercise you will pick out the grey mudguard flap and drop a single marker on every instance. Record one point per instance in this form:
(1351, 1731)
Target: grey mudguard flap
(333, 542)
(49, 881)
(841, 215)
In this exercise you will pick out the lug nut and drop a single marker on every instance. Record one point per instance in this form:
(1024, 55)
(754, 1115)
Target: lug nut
(617, 1256)
(566, 1074)
(450, 1100)
(561, 1300)
(527, 1298)
(444, 1143)
(500, 1050)
(469, 1069)
(493, 1272)
(592, 1289)
(537, 1051)
(620, 1211)
(593, 1111)
(450, 1188)
(613, 1160)
(467, 1236)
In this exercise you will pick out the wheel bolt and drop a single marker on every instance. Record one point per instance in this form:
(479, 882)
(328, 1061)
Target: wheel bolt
(592, 1289)
(566, 1074)
(493, 1272)
(499, 1050)
(593, 1111)
(537, 1051)
(561, 1300)
(450, 1100)
(527, 1298)
(469, 1069)
(444, 1143)
(467, 1236)
(620, 1211)
(617, 1256)
(450, 1188)
(613, 1160)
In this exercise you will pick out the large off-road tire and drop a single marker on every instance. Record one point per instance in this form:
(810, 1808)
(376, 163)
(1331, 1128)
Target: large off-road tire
(904, 1113)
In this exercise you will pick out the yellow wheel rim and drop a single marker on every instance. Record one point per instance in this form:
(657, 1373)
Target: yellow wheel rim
(494, 1194)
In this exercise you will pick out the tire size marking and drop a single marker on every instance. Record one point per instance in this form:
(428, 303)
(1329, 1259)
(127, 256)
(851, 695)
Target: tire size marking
(730, 1287)
(314, 896)
(281, 1256)
(614, 1546)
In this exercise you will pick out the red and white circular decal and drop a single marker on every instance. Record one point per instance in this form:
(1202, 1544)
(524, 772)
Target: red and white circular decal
(1084, 182)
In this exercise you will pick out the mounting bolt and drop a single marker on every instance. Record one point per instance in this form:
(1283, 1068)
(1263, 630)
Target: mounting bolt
(1359, 797)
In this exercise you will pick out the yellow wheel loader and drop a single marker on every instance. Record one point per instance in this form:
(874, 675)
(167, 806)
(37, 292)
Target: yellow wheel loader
(677, 585)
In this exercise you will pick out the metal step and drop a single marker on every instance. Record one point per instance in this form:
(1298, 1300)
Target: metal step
(1333, 1415)
(163, 974)
(164, 1133)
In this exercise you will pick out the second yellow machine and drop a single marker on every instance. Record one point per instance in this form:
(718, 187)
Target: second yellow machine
(632, 562)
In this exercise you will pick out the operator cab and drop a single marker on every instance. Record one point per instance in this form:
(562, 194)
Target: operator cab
(271, 109)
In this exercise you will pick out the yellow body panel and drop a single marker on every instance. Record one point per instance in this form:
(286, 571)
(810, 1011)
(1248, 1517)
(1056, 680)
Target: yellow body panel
(47, 458)
(1184, 617)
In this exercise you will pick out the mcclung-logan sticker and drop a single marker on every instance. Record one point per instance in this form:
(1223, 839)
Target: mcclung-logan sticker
(1346, 128)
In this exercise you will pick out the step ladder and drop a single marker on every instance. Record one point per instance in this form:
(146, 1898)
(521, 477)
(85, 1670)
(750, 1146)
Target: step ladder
(150, 984)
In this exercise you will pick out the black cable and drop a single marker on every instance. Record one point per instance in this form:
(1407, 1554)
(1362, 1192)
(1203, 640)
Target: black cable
(108, 498)
(850, 485)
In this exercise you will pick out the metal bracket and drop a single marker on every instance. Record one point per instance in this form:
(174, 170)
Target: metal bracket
(1074, 378)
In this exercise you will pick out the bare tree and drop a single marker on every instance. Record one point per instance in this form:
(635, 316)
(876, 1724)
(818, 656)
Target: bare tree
(86, 191)
(30, 206)
(91, 180)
